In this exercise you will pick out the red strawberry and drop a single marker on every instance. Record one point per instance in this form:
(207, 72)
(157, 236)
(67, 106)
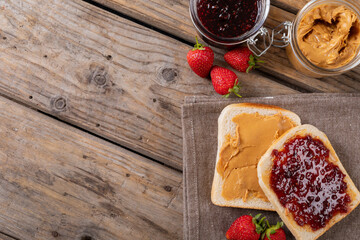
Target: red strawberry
(242, 59)
(224, 81)
(200, 59)
(274, 232)
(246, 228)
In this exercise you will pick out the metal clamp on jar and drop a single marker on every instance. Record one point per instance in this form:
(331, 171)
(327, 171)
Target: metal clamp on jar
(259, 39)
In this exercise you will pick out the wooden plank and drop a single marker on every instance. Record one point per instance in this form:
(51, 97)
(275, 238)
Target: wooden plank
(57, 182)
(290, 5)
(173, 16)
(105, 74)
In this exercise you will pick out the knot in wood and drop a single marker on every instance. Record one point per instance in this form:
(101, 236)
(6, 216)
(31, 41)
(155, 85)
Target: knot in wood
(169, 74)
(98, 75)
(59, 104)
(167, 188)
(55, 234)
(99, 79)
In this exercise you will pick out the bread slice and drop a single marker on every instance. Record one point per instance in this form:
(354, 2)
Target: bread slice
(265, 166)
(225, 127)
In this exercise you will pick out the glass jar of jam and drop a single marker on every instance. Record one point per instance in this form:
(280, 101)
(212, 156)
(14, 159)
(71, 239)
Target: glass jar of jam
(227, 23)
(325, 38)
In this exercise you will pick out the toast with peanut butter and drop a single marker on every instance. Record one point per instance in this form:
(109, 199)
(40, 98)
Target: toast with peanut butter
(245, 132)
(305, 181)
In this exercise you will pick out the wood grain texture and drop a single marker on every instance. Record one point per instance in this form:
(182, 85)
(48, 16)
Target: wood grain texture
(105, 74)
(6, 237)
(173, 16)
(290, 5)
(57, 182)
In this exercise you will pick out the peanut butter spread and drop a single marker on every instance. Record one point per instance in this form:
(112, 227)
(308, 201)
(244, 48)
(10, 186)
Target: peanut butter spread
(329, 36)
(241, 153)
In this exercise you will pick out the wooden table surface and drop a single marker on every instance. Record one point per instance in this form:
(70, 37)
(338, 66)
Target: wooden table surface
(90, 120)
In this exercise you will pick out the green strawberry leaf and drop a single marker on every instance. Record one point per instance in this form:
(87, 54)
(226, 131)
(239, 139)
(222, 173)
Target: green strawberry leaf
(260, 226)
(235, 90)
(268, 235)
(263, 236)
(253, 61)
(226, 95)
(261, 220)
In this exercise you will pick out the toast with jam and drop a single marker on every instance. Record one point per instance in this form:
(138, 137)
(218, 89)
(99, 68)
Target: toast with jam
(305, 181)
(245, 132)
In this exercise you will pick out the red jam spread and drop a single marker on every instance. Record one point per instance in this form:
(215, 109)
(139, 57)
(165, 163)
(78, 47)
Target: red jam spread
(228, 18)
(307, 183)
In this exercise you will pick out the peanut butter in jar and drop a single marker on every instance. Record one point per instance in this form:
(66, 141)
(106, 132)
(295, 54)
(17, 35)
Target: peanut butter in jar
(325, 38)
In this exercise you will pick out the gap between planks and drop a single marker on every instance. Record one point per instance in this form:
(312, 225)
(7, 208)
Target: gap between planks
(5, 236)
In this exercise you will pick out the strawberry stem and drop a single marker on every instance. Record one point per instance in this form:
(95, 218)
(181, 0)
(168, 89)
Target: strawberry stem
(235, 90)
(253, 61)
(198, 46)
(259, 225)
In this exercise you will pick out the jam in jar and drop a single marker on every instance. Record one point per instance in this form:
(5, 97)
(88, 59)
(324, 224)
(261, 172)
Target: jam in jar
(228, 18)
(307, 183)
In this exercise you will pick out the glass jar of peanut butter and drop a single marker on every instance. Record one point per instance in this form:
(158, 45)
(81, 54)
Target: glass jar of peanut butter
(325, 38)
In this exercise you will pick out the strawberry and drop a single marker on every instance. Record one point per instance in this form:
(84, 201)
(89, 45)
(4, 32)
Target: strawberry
(242, 59)
(246, 228)
(274, 232)
(224, 81)
(200, 59)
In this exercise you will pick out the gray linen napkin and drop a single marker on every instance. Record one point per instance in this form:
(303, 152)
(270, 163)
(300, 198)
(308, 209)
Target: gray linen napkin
(338, 115)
